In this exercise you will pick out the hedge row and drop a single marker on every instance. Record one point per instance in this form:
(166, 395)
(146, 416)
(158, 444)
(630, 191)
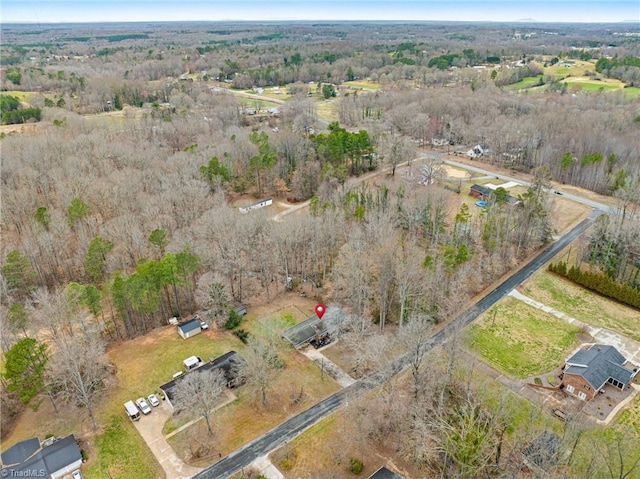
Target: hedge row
(600, 283)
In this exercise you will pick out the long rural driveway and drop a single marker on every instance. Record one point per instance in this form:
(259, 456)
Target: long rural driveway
(289, 429)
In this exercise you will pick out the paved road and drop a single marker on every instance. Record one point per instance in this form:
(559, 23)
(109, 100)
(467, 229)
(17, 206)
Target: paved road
(578, 199)
(289, 429)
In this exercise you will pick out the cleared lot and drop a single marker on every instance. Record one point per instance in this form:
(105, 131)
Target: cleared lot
(520, 340)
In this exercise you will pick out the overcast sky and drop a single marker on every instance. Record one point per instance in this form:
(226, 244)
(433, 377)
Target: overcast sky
(55, 11)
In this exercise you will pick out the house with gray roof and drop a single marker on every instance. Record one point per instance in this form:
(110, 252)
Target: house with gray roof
(588, 370)
(20, 451)
(54, 461)
(227, 363)
(485, 193)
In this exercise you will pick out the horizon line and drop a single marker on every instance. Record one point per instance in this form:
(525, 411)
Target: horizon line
(328, 20)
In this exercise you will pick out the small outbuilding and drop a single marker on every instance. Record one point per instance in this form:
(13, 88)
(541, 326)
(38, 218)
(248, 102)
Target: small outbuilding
(240, 308)
(189, 328)
(191, 362)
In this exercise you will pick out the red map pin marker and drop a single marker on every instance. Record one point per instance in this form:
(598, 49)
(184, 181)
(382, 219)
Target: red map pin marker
(320, 309)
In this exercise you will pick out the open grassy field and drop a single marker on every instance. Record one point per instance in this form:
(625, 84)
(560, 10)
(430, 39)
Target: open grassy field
(574, 68)
(632, 91)
(363, 84)
(519, 340)
(326, 110)
(592, 85)
(583, 304)
(23, 96)
(525, 83)
(258, 105)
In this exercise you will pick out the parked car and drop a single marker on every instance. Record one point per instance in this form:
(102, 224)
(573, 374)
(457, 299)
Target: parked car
(76, 474)
(204, 325)
(143, 405)
(153, 400)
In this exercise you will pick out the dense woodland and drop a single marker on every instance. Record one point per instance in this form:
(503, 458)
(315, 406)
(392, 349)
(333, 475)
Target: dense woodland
(111, 225)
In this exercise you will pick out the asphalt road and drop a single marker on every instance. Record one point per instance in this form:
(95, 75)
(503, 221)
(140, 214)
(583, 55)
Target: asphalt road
(289, 429)
(577, 199)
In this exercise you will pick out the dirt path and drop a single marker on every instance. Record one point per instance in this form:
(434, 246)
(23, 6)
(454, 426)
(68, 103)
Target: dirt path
(290, 209)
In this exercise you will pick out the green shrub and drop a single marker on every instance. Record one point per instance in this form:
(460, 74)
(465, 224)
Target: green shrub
(355, 465)
(84, 455)
(234, 320)
(242, 335)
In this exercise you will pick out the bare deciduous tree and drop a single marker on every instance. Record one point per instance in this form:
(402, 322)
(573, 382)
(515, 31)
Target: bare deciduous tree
(197, 393)
(260, 366)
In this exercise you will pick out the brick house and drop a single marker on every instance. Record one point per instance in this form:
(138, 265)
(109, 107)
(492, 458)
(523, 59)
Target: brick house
(588, 370)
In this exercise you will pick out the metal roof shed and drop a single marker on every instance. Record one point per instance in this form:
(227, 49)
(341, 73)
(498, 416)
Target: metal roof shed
(189, 328)
(313, 328)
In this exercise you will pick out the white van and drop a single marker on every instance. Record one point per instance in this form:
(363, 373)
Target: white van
(132, 410)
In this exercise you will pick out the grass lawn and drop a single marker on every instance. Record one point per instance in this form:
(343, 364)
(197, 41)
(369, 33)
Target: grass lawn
(631, 417)
(526, 82)
(258, 105)
(364, 84)
(326, 111)
(23, 96)
(142, 365)
(120, 452)
(583, 304)
(297, 387)
(519, 340)
(592, 85)
(575, 68)
(632, 91)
